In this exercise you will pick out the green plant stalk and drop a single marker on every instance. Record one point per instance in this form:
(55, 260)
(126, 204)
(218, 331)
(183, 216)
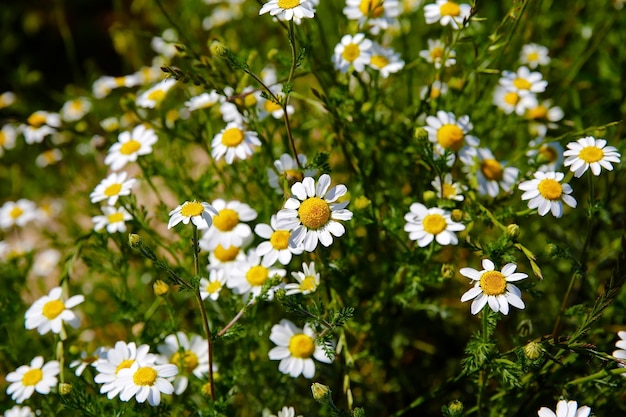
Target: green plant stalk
(482, 376)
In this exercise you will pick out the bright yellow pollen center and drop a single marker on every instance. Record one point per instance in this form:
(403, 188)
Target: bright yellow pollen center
(32, 377)
(372, 8)
(16, 212)
(232, 137)
(533, 56)
(493, 283)
(511, 98)
(226, 220)
(522, 84)
(270, 106)
(435, 92)
(379, 61)
(492, 169)
(539, 112)
(130, 147)
(301, 346)
(156, 95)
(314, 212)
(550, 189)
(120, 81)
(351, 52)
(52, 309)
(191, 209)
(448, 191)
(126, 363)
(308, 284)
(225, 255)
(257, 275)
(434, 224)
(213, 287)
(187, 360)
(436, 53)
(288, 4)
(113, 189)
(450, 9)
(591, 154)
(3, 138)
(450, 137)
(37, 120)
(280, 239)
(145, 376)
(115, 217)
(76, 106)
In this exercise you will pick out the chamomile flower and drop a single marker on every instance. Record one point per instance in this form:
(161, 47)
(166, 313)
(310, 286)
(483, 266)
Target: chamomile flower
(45, 262)
(376, 15)
(234, 142)
(50, 311)
(49, 157)
(130, 145)
(75, 109)
(267, 107)
(88, 360)
(153, 96)
(523, 81)
(548, 155)
(225, 258)
(248, 277)
(447, 189)
(385, 60)
(203, 101)
(27, 379)
(146, 382)
(308, 280)
(200, 214)
(287, 167)
(352, 52)
(276, 247)
(620, 353)
(434, 91)
(438, 55)
(534, 55)
(296, 349)
(17, 213)
(546, 193)
(447, 133)
(6, 99)
(565, 409)
(590, 152)
(428, 224)
(113, 218)
(8, 133)
(286, 412)
(39, 125)
(190, 355)
(494, 287)
(289, 9)
(542, 117)
(112, 187)
(228, 228)
(17, 411)
(492, 175)
(512, 101)
(210, 288)
(313, 213)
(447, 13)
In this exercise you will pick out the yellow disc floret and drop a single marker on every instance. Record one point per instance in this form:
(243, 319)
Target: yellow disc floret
(450, 9)
(191, 209)
(52, 309)
(493, 283)
(351, 52)
(550, 189)
(257, 275)
(225, 255)
(145, 376)
(450, 137)
(226, 220)
(301, 346)
(522, 84)
(32, 377)
(280, 239)
(113, 189)
(434, 223)
(232, 137)
(130, 147)
(186, 360)
(372, 8)
(492, 170)
(591, 154)
(127, 363)
(288, 4)
(314, 213)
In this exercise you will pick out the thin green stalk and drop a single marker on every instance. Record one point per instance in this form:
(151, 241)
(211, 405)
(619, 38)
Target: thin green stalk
(482, 376)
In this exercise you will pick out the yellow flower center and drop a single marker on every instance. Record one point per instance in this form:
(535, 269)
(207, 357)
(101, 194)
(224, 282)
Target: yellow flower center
(522, 84)
(293, 175)
(280, 239)
(308, 284)
(76, 106)
(539, 112)
(130, 147)
(288, 4)
(550, 189)
(3, 138)
(511, 98)
(32, 377)
(493, 283)
(448, 191)
(372, 8)
(532, 57)
(145, 376)
(351, 52)
(492, 169)
(232, 137)
(226, 220)
(120, 81)
(314, 212)
(301, 346)
(549, 153)
(379, 61)
(591, 154)
(115, 217)
(37, 120)
(435, 92)
(450, 137)
(113, 189)
(188, 360)
(225, 255)
(270, 106)
(191, 209)
(52, 309)
(126, 363)
(450, 9)
(213, 287)
(434, 224)
(156, 95)
(257, 275)
(16, 212)
(436, 53)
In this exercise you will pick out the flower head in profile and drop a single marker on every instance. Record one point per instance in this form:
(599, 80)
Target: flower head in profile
(153, 96)
(620, 352)
(112, 187)
(313, 213)
(113, 218)
(428, 224)
(510, 101)
(546, 193)
(75, 109)
(533, 55)
(565, 409)
(17, 411)
(249, 276)
(492, 175)
(447, 189)
(547, 155)
(373, 14)
(27, 379)
(385, 60)
(308, 280)
(289, 9)
(39, 125)
(200, 214)
(523, 81)
(493, 287)
(447, 13)
(286, 167)
(203, 101)
(543, 116)
(190, 355)
(590, 152)
(295, 349)
(234, 142)
(86, 360)
(352, 52)
(129, 146)
(50, 311)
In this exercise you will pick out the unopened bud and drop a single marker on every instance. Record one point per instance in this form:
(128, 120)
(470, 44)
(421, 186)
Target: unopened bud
(512, 230)
(420, 134)
(533, 350)
(455, 408)
(429, 196)
(65, 388)
(361, 202)
(160, 287)
(135, 241)
(448, 271)
(550, 249)
(456, 215)
(321, 392)
(206, 389)
(217, 48)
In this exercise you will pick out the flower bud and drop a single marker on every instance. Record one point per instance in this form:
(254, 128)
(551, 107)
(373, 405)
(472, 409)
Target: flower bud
(321, 393)
(533, 350)
(512, 231)
(135, 241)
(65, 388)
(455, 408)
(456, 215)
(160, 287)
(217, 48)
(420, 134)
(448, 271)
(429, 196)
(361, 202)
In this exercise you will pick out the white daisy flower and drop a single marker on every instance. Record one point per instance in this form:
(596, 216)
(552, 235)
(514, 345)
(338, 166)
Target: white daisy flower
(287, 168)
(191, 356)
(146, 382)
(313, 212)
(210, 288)
(385, 60)
(447, 13)
(447, 133)
(289, 9)
(434, 91)
(448, 189)
(534, 55)
(428, 224)
(229, 109)
(17, 411)
(248, 277)
(45, 262)
(50, 311)
(286, 412)
(75, 109)
(6, 99)
(590, 152)
(225, 259)
(620, 353)
(546, 193)
(548, 154)
(153, 96)
(437, 54)
(494, 287)
(234, 142)
(165, 45)
(308, 280)
(523, 81)
(8, 134)
(352, 51)
(492, 175)
(122, 356)
(267, 107)
(200, 214)
(227, 228)
(512, 101)
(276, 247)
(39, 125)
(130, 146)
(377, 15)
(112, 187)
(26, 379)
(88, 360)
(49, 157)
(295, 349)
(113, 218)
(565, 409)
(542, 117)
(203, 101)
(17, 213)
